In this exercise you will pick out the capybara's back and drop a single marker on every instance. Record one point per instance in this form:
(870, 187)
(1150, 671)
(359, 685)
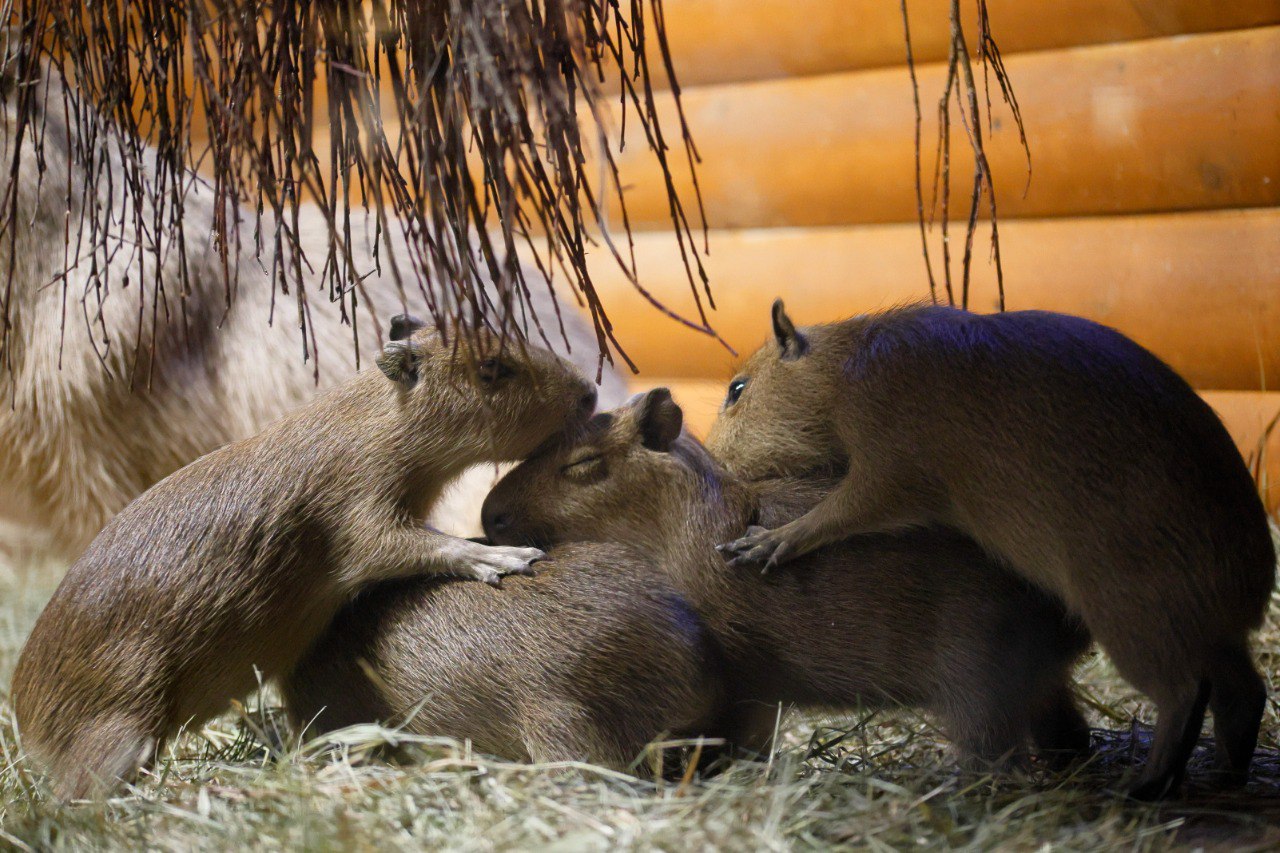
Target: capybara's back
(1114, 443)
(1061, 446)
(590, 660)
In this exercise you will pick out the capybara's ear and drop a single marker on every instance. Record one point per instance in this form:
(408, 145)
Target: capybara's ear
(397, 362)
(791, 344)
(404, 325)
(658, 420)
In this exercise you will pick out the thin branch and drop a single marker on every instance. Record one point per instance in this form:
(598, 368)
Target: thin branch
(960, 83)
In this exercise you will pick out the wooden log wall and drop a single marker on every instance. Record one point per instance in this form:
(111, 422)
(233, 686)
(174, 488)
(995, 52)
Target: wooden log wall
(1153, 203)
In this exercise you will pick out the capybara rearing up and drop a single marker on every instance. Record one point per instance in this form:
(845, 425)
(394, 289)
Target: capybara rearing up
(1064, 449)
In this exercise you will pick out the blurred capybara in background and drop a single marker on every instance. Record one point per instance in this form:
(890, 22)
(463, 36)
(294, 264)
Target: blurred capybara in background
(1063, 448)
(923, 619)
(240, 560)
(88, 420)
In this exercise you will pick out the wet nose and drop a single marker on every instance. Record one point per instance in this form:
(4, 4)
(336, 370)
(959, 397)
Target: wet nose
(587, 402)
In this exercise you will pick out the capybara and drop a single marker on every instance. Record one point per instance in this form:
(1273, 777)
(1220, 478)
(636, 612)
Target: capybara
(1063, 448)
(241, 559)
(590, 660)
(917, 619)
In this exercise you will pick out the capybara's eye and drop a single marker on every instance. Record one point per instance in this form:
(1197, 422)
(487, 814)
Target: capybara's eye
(735, 391)
(492, 369)
(582, 464)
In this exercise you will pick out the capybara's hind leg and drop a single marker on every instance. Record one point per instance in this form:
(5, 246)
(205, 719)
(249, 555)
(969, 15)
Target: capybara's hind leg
(1179, 717)
(1059, 730)
(1237, 698)
(572, 736)
(102, 758)
(989, 739)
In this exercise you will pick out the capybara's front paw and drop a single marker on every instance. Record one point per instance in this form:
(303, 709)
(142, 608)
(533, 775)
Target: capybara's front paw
(491, 562)
(758, 546)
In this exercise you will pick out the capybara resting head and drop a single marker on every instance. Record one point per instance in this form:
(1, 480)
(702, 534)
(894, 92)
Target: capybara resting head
(923, 619)
(521, 394)
(614, 477)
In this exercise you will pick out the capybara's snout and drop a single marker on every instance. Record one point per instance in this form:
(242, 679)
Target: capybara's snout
(587, 402)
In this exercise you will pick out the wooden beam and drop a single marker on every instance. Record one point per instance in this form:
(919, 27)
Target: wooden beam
(1167, 124)
(1200, 289)
(722, 41)
(1247, 416)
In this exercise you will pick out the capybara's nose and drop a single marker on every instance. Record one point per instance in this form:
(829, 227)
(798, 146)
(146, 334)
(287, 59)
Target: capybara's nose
(587, 402)
(495, 523)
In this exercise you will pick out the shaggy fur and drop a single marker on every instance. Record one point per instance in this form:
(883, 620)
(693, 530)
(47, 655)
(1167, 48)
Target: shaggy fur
(921, 620)
(85, 427)
(589, 661)
(239, 560)
(1060, 446)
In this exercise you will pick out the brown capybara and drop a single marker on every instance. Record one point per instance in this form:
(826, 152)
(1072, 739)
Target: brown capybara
(1064, 449)
(922, 619)
(93, 411)
(239, 560)
(590, 660)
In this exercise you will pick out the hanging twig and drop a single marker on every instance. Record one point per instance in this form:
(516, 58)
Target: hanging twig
(487, 159)
(960, 83)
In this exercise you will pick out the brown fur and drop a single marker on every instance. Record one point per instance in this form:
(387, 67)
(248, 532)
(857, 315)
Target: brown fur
(86, 428)
(240, 559)
(1060, 446)
(923, 619)
(589, 661)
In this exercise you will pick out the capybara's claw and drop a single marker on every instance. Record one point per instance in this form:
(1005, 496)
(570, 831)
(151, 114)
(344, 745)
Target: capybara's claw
(494, 561)
(758, 546)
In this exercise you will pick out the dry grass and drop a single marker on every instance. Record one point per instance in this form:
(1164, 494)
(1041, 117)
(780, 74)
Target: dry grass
(879, 782)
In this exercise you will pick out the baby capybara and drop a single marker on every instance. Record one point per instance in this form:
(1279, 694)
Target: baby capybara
(1063, 448)
(921, 619)
(239, 560)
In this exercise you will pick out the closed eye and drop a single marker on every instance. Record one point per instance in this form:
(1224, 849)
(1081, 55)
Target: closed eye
(493, 369)
(582, 464)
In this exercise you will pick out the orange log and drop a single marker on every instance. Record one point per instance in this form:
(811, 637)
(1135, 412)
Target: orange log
(1167, 124)
(1247, 416)
(1202, 290)
(721, 41)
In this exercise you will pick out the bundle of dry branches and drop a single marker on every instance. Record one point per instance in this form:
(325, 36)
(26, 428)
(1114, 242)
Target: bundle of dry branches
(961, 84)
(479, 153)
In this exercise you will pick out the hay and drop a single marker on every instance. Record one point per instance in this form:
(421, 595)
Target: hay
(884, 782)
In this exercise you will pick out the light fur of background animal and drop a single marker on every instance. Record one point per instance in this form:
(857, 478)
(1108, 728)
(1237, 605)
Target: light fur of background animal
(78, 442)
